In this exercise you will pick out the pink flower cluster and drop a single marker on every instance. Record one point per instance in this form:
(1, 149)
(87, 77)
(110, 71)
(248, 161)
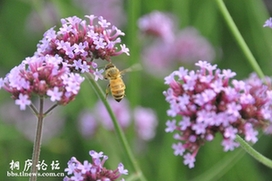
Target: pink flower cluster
(93, 171)
(54, 68)
(79, 42)
(42, 76)
(209, 104)
(171, 46)
(158, 24)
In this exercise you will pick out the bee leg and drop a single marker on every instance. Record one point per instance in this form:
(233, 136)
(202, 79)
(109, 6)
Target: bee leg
(107, 91)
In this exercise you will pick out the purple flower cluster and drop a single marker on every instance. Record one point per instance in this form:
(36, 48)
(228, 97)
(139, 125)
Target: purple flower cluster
(79, 42)
(93, 171)
(158, 24)
(209, 104)
(185, 46)
(44, 77)
(54, 69)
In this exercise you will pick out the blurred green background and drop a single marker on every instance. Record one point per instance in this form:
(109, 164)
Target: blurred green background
(22, 24)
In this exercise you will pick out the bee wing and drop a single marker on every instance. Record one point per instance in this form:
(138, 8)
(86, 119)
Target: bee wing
(135, 67)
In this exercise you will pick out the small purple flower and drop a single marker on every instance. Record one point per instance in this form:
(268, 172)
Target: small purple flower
(184, 123)
(171, 126)
(71, 167)
(23, 101)
(268, 23)
(95, 154)
(94, 170)
(250, 133)
(178, 149)
(229, 144)
(77, 176)
(234, 109)
(55, 94)
(209, 104)
(98, 74)
(124, 49)
(230, 132)
(189, 160)
(122, 170)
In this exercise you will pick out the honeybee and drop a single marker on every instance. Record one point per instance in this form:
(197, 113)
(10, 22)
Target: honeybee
(116, 83)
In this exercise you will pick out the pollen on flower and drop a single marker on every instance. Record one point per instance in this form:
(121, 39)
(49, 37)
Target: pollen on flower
(93, 170)
(210, 103)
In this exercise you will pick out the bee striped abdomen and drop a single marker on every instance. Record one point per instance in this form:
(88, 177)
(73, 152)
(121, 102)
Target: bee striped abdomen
(117, 87)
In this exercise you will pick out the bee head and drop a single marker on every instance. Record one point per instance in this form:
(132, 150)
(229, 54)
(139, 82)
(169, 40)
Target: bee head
(111, 71)
(109, 65)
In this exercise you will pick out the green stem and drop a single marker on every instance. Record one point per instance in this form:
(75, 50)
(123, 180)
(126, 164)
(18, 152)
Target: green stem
(239, 38)
(50, 109)
(37, 143)
(267, 162)
(133, 9)
(117, 127)
(34, 109)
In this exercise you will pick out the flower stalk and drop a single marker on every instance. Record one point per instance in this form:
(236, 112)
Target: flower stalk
(239, 39)
(255, 154)
(117, 127)
(37, 143)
